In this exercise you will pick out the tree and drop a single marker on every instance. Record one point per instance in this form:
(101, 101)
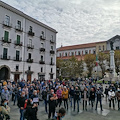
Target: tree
(117, 61)
(102, 58)
(90, 63)
(70, 68)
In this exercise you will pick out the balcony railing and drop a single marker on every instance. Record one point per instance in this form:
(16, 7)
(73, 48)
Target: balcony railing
(4, 57)
(42, 62)
(29, 46)
(52, 42)
(17, 59)
(5, 40)
(30, 60)
(52, 52)
(20, 29)
(31, 33)
(18, 43)
(7, 24)
(51, 63)
(42, 37)
(42, 49)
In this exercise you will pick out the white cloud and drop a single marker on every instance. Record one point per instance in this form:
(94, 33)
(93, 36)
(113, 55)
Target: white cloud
(77, 21)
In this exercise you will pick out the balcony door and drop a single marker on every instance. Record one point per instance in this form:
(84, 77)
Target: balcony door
(5, 51)
(6, 35)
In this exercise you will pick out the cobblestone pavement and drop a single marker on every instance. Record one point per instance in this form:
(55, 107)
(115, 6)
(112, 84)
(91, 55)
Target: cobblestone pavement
(106, 114)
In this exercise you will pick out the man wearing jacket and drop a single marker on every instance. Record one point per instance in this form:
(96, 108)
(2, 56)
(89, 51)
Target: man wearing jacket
(118, 98)
(76, 98)
(21, 102)
(99, 98)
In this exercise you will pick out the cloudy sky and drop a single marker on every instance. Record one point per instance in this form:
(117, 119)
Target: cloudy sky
(77, 21)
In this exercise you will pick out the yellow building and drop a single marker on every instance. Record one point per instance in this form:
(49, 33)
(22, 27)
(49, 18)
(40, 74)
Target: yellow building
(101, 46)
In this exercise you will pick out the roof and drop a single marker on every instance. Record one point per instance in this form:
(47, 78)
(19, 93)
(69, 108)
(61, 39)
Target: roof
(80, 46)
(115, 37)
(25, 15)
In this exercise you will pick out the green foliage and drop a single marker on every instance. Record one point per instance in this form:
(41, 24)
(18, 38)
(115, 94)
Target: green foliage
(90, 63)
(70, 68)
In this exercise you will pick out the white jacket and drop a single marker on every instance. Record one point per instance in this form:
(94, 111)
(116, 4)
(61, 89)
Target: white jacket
(111, 94)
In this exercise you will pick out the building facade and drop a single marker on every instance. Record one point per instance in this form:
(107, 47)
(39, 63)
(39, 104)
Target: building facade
(27, 46)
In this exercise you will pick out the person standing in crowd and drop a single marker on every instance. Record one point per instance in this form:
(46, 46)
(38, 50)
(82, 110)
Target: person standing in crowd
(92, 97)
(84, 96)
(25, 89)
(99, 98)
(44, 97)
(31, 110)
(118, 98)
(71, 92)
(5, 109)
(59, 95)
(15, 91)
(60, 114)
(106, 93)
(76, 98)
(65, 97)
(111, 95)
(52, 104)
(21, 103)
(5, 94)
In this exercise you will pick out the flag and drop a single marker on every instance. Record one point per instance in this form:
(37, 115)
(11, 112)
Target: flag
(96, 60)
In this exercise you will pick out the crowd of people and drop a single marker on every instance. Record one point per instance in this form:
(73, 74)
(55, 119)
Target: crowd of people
(55, 94)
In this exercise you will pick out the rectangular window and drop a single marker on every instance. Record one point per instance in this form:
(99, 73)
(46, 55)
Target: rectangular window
(5, 51)
(51, 70)
(51, 47)
(41, 58)
(18, 39)
(30, 28)
(19, 24)
(52, 37)
(66, 54)
(17, 54)
(41, 69)
(30, 42)
(103, 48)
(72, 53)
(6, 35)
(17, 67)
(42, 45)
(29, 55)
(42, 34)
(94, 52)
(59, 54)
(99, 47)
(86, 52)
(7, 20)
(78, 52)
(29, 68)
(117, 48)
(51, 76)
(51, 60)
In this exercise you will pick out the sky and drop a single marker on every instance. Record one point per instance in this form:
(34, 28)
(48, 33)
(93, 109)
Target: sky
(77, 21)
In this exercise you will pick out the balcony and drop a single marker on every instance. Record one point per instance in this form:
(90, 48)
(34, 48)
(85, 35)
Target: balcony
(51, 63)
(30, 60)
(7, 24)
(4, 57)
(29, 46)
(52, 52)
(17, 28)
(17, 59)
(42, 37)
(6, 40)
(18, 43)
(42, 62)
(52, 42)
(31, 33)
(42, 49)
